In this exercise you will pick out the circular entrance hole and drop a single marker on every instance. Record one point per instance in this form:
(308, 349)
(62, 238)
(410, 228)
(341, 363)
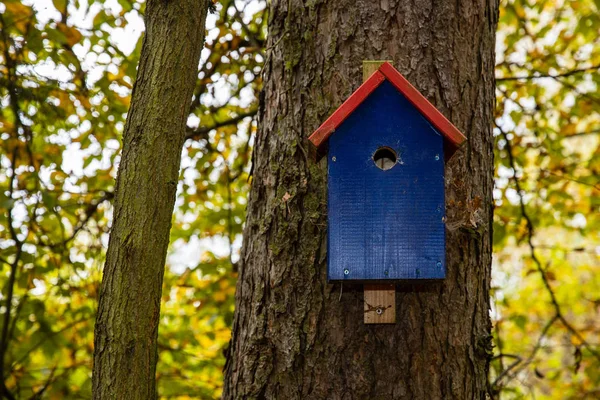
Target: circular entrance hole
(385, 158)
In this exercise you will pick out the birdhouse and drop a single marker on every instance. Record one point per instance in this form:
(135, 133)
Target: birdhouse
(386, 146)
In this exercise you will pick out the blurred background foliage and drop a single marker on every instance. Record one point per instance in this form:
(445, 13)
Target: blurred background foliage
(66, 72)
(546, 276)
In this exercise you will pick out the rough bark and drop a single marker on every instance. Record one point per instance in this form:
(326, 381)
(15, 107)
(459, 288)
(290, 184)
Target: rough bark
(126, 329)
(297, 337)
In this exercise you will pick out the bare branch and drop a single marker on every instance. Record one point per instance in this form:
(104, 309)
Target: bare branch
(584, 133)
(538, 75)
(568, 178)
(200, 133)
(530, 233)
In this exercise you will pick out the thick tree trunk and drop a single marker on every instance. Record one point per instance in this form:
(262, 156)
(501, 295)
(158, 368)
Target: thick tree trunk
(127, 324)
(297, 337)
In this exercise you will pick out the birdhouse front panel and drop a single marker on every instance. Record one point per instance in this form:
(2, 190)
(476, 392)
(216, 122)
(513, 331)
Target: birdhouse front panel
(385, 149)
(386, 192)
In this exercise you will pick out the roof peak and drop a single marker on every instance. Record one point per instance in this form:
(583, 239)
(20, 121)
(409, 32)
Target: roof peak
(387, 72)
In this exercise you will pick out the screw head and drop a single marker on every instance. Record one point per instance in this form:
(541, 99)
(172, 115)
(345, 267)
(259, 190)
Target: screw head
(437, 157)
(333, 159)
(386, 272)
(379, 311)
(439, 264)
(346, 271)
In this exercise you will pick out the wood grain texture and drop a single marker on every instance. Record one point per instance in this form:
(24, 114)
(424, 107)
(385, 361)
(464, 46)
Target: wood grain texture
(386, 225)
(380, 304)
(295, 336)
(322, 134)
(379, 300)
(437, 119)
(371, 66)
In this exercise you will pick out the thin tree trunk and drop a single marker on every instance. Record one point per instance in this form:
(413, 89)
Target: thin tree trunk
(126, 329)
(294, 335)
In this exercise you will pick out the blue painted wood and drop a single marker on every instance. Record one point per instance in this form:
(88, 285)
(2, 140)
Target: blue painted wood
(386, 225)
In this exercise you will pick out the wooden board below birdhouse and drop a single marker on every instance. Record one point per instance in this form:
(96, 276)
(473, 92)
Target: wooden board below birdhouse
(386, 193)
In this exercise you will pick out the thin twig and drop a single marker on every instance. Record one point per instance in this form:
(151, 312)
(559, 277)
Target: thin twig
(196, 134)
(538, 75)
(530, 233)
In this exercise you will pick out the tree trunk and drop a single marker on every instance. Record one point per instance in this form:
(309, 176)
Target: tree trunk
(294, 335)
(126, 329)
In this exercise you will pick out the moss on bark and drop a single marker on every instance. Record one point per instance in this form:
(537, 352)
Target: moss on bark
(125, 353)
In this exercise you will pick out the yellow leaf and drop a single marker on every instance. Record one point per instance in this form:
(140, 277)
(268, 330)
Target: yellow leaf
(220, 297)
(125, 100)
(19, 12)
(71, 33)
(85, 102)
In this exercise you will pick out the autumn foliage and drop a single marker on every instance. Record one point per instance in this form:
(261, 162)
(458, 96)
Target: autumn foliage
(66, 74)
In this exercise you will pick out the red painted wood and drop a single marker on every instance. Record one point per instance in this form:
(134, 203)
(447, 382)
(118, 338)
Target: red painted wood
(435, 117)
(320, 136)
(454, 137)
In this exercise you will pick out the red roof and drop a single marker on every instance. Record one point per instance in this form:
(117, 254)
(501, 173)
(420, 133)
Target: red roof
(451, 133)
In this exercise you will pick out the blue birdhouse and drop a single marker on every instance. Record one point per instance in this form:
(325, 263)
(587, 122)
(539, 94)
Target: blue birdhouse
(386, 146)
